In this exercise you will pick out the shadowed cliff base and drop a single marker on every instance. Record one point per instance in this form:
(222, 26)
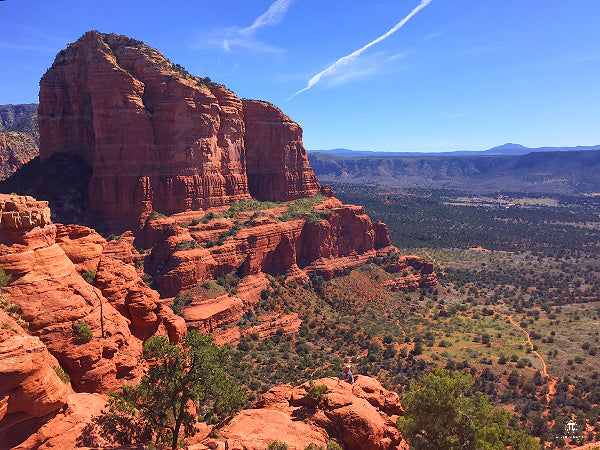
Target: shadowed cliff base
(62, 180)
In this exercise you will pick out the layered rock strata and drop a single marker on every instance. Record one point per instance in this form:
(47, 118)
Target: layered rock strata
(188, 250)
(342, 238)
(29, 384)
(158, 138)
(50, 295)
(276, 161)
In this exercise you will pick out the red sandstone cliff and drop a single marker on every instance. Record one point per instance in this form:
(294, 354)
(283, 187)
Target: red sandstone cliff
(47, 289)
(277, 163)
(158, 138)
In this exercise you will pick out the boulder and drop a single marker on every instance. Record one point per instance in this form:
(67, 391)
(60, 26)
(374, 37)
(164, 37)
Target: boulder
(359, 416)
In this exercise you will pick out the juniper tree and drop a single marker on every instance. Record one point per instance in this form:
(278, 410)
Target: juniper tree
(179, 376)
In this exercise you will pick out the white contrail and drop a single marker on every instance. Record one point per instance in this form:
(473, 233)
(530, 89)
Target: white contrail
(271, 16)
(346, 59)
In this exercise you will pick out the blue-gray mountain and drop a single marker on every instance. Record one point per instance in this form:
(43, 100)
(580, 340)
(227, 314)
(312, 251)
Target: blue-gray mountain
(564, 172)
(504, 149)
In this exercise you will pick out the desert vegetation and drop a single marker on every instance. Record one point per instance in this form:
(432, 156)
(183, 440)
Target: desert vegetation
(519, 318)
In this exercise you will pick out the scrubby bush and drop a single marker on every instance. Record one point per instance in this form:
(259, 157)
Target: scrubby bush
(316, 393)
(4, 278)
(186, 244)
(82, 330)
(89, 276)
(64, 376)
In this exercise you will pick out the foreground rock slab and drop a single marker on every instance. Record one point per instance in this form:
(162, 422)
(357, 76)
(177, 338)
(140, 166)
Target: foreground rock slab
(359, 416)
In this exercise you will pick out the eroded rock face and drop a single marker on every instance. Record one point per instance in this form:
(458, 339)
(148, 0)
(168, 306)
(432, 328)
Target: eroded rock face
(29, 385)
(44, 261)
(158, 138)
(344, 238)
(361, 416)
(277, 163)
(68, 429)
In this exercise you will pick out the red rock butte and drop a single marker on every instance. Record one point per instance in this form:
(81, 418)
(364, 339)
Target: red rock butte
(158, 138)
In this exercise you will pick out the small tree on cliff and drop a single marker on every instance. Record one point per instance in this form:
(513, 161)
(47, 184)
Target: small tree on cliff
(443, 412)
(179, 376)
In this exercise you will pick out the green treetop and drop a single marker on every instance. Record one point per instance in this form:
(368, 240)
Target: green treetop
(442, 412)
(179, 376)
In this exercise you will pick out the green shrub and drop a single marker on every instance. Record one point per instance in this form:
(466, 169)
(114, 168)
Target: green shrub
(9, 307)
(89, 276)
(316, 393)
(333, 445)
(208, 217)
(64, 376)
(248, 205)
(186, 244)
(303, 207)
(181, 301)
(277, 445)
(83, 331)
(4, 278)
(154, 215)
(147, 279)
(229, 280)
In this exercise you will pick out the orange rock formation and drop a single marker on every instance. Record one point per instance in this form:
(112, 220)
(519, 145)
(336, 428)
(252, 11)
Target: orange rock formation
(159, 138)
(51, 296)
(361, 416)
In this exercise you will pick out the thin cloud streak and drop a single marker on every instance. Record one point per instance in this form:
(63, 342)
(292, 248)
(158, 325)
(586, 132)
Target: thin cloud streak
(272, 16)
(243, 37)
(343, 61)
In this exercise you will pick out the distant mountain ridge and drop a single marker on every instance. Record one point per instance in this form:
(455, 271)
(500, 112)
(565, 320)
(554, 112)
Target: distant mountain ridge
(504, 149)
(564, 172)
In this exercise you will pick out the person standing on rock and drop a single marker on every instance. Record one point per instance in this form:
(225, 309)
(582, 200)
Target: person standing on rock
(347, 375)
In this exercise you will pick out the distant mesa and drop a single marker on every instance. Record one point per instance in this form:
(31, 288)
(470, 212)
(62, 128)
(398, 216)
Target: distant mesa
(506, 168)
(158, 138)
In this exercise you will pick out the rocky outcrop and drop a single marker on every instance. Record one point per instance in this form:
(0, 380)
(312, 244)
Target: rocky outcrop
(277, 163)
(69, 427)
(51, 296)
(29, 384)
(361, 416)
(341, 237)
(158, 138)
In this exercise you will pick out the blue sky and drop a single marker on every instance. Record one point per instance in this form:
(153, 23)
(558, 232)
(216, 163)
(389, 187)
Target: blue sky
(458, 75)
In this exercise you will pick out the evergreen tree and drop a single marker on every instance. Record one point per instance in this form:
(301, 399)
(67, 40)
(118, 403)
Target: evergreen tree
(443, 412)
(178, 377)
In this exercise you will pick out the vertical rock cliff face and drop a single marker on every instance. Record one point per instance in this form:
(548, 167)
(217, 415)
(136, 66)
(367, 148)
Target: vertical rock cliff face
(277, 163)
(158, 138)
